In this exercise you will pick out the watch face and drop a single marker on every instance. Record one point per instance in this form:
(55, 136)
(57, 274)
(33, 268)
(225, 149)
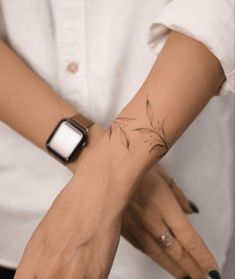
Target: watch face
(66, 141)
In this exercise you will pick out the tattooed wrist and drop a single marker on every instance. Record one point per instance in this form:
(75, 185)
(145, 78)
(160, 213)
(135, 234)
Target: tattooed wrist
(154, 135)
(120, 126)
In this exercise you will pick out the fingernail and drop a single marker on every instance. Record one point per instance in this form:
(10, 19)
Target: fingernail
(187, 277)
(193, 206)
(214, 274)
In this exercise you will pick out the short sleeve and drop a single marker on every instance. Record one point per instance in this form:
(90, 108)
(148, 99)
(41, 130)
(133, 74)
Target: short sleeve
(208, 21)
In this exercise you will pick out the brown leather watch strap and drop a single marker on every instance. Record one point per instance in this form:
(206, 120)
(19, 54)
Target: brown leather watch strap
(82, 121)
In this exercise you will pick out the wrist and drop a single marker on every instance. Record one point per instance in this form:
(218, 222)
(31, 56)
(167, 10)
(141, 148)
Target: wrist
(102, 179)
(113, 170)
(95, 133)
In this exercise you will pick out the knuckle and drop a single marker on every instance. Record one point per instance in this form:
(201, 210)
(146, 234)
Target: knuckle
(155, 253)
(176, 251)
(192, 241)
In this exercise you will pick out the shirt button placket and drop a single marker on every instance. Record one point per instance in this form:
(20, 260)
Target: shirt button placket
(70, 27)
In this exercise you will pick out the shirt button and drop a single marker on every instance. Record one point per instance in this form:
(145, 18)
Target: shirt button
(72, 67)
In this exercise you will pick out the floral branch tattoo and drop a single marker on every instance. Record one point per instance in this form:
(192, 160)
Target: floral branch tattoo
(158, 139)
(120, 125)
(156, 133)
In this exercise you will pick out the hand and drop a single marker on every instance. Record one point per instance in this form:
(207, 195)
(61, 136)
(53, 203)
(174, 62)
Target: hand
(157, 207)
(78, 237)
(146, 199)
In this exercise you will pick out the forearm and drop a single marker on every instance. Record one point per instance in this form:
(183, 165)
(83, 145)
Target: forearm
(182, 81)
(29, 105)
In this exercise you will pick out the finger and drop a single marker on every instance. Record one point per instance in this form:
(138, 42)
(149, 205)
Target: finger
(188, 206)
(175, 218)
(184, 259)
(149, 246)
(175, 251)
(131, 238)
(193, 243)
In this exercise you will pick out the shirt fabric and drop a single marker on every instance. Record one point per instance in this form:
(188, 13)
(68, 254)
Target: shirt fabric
(96, 54)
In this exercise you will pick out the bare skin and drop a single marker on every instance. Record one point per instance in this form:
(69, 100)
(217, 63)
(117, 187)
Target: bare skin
(145, 220)
(181, 82)
(162, 208)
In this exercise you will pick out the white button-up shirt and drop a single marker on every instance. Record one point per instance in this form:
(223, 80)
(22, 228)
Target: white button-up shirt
(96, 54)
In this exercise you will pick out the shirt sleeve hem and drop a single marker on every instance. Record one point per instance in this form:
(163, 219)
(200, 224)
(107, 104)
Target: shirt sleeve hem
(158, 35)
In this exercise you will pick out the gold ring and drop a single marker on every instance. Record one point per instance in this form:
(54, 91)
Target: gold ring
(166, 240)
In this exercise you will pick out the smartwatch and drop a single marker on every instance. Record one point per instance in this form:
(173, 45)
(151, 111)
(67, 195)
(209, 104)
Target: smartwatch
(69, 137)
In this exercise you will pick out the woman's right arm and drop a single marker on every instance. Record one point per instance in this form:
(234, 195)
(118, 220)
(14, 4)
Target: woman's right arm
(30, 106)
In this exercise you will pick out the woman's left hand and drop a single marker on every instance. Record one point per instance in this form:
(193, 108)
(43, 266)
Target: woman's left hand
(159, 207)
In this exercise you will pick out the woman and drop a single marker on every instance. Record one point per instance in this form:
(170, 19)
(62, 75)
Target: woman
(119, 158)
